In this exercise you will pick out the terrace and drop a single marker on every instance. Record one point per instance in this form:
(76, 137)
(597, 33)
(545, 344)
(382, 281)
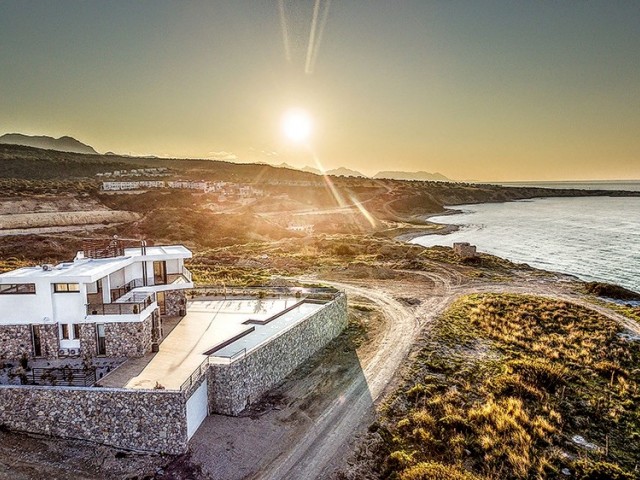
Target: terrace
(132, 303)
(213, 331)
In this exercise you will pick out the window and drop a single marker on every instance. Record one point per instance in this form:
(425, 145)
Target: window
(66, 287)
(69, 331)
(65, 331)
(17, 288)
(37, 340)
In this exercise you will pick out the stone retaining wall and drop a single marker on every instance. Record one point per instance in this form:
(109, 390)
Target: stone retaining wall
(15, 340)
(88, 340)
(49, 340)
(232, 387)
(131, 419)
(128, 339)
(174, 302)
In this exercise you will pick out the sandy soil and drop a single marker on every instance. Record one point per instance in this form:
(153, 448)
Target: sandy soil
(50, 219)
(51, 213)
(47, 203)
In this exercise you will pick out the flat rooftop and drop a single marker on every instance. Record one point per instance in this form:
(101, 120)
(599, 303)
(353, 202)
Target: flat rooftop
(84, 269)
(221, 328)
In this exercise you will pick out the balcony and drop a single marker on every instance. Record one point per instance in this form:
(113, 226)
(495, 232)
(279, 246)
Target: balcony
(182, 279)
(131, 304)
(118, 292)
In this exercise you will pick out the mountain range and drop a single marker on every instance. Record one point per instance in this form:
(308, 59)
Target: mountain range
(422, 176)
(62, 144)
(70, 144)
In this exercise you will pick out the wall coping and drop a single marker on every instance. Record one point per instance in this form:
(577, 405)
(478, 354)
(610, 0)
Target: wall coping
(89, 389)
(259, 346)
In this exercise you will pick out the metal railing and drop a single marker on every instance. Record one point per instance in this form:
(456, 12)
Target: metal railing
(63, 376)
(126, 288)
(326, 293)
(138, 304)
(187, 274)
(197, 374)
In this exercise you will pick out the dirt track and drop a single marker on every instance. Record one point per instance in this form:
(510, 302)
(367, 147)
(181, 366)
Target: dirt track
(326, 444)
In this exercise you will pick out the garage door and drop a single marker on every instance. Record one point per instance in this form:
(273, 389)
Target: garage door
(197, 409)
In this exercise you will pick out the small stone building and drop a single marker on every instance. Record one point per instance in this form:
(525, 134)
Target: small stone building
(464, 250)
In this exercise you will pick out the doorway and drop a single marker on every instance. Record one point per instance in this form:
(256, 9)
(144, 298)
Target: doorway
(160, 273)
(101, 340)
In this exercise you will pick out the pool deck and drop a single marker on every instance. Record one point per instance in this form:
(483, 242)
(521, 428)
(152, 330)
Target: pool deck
(227, 327)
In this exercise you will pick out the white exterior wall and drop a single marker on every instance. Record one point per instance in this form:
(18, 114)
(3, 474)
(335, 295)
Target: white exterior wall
(117, 279)
(174, 266)
(69, 307)
(26, 309)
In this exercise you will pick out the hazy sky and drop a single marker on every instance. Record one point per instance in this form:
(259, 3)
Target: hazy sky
(485, 90)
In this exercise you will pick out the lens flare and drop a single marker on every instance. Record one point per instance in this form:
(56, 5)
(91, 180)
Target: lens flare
(297, 125)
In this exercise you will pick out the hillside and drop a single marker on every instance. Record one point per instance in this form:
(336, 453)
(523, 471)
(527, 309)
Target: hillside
(62, 144)
(420, 176)
(512, 387)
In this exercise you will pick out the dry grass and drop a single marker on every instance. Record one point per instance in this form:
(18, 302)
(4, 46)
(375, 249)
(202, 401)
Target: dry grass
(503, 384)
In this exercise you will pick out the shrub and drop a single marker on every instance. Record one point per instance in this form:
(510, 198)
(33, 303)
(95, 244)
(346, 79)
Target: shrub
(436, 471)
(540, 373)
(586, 470)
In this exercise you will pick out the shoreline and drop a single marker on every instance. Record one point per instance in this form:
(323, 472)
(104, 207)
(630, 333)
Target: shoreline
(433, 228)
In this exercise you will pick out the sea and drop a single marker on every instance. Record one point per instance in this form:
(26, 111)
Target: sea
(593, 238)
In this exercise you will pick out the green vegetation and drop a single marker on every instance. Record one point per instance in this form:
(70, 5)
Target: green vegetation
(610, 291)
(501, 388)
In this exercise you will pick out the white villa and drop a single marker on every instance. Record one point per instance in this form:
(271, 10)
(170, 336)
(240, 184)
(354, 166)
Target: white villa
(109, 301)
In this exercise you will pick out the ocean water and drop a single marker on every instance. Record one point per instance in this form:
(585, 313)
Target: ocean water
(593, 238)
(626, 185)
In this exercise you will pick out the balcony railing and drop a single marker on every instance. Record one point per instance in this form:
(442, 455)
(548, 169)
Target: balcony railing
(126, 288)
(187, 274)
(133, 306)
(183, 276)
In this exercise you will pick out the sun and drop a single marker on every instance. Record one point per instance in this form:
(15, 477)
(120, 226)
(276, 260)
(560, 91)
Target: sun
(297, 125)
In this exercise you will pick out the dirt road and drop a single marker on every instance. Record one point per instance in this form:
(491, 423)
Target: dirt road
(326, 444)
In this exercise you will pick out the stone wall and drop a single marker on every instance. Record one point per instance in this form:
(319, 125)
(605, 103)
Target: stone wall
(174, 301)
(128, 339)
(132, 419)
(15, 340)
(88, 340)
(234, 386)
(49, 340)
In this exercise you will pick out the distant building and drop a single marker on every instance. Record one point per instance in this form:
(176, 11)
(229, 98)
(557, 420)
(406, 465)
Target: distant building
(306, 229)
(465, 250)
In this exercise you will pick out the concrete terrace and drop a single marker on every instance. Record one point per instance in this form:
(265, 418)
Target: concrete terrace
(222, 328)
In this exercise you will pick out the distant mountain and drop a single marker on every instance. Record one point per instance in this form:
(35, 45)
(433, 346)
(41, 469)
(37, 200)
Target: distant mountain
(422, 176)
(342, 171)
(345, 172)
(283, 165)
(62, 144)
(311, 170)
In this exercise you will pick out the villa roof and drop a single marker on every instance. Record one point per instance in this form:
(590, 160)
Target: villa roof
(87, 270)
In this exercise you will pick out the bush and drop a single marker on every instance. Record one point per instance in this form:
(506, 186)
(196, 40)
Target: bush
(586, 470)
(436, 471)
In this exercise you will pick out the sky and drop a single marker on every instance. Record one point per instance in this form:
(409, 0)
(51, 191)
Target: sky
(476, 90)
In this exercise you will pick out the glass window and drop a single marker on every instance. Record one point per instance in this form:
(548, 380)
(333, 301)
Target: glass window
(65, 331)
(17, 288)
(76, 331)
(66, 287)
